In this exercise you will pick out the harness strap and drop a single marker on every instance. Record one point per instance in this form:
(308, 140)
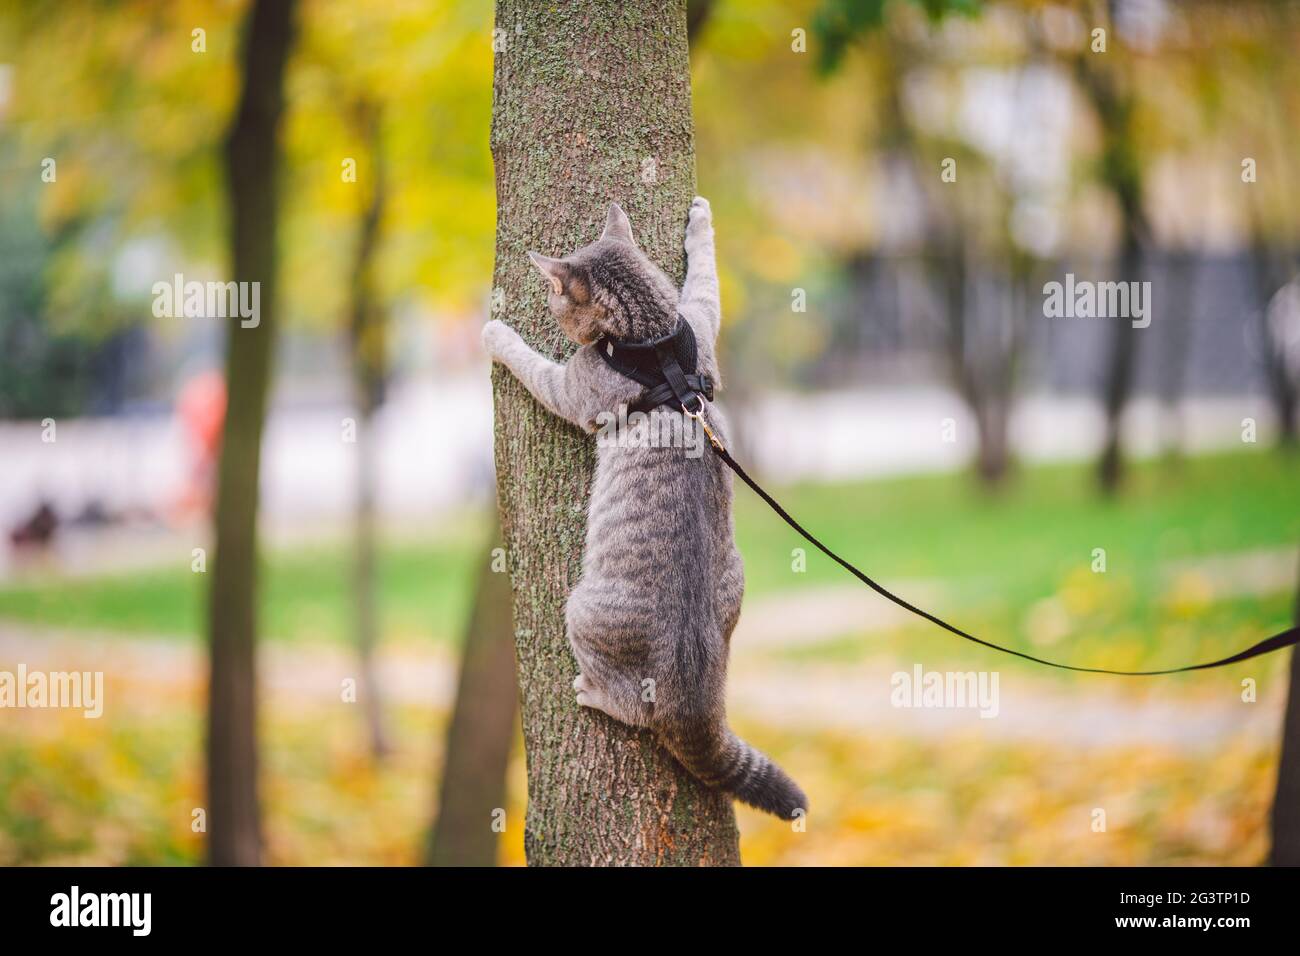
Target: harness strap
(1287, 638)
(665, 366)
(663, 394)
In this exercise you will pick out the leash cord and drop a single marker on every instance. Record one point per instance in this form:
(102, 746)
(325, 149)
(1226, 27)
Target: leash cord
(1287, 638)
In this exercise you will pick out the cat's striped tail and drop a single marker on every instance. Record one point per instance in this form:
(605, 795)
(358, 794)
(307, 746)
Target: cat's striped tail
(721, 760)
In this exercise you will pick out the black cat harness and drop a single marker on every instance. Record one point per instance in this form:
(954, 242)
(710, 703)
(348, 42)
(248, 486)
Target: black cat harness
(667, 368)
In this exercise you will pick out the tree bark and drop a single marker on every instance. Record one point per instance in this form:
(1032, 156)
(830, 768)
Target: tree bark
(591, 104)
(481, 731)
(251, 160)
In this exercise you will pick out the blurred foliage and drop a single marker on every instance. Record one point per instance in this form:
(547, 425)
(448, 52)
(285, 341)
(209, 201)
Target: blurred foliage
(838, 23)
(122, 789)
(801, 187)
(886, 800)
(133, 116)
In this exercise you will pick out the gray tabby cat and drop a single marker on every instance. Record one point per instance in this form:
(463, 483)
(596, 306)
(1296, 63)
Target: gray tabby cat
(661, 577)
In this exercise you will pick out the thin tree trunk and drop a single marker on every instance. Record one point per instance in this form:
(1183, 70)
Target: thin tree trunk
(472, 791)
(251, 161)
(1180, 276)
(994, 459)
(591, 104)
(1286, 799)
(369, 350)
(1121, 171)
(1270, 273)
(363, 586)
(1119, 371)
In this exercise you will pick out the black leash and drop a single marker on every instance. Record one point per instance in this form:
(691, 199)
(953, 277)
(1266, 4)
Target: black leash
(1287, 638)
(666, 366)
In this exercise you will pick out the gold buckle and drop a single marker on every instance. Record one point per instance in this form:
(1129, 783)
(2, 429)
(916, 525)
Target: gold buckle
(704, 423)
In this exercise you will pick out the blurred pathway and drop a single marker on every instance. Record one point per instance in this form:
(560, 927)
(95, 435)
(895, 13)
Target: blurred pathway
(1093, 711)
(1189, 715)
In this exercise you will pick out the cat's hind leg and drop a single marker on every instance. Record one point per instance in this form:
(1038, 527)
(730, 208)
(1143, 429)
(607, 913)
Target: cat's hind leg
(608, 654)
(617, 698)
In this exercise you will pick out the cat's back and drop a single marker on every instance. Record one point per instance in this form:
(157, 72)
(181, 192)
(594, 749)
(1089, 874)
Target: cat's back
(660, 516)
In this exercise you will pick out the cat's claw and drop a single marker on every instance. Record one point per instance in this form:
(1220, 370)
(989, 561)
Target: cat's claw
(589, 696)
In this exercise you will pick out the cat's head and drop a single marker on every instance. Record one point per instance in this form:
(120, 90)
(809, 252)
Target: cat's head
(609, 288)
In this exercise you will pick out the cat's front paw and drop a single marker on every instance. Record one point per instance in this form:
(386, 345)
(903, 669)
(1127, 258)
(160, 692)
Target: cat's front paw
(699, 220)
(497, 337)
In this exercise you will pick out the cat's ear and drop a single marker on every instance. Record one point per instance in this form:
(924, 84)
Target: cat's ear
(555, 270)
(617, 225)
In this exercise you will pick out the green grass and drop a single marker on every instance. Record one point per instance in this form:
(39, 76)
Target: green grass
(996, 555)
(1006, 560)
(1020, 543)
(423, 590)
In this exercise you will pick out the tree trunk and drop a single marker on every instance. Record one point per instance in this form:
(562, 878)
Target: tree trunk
(1271, 272)
(1122, 174)
(1286, 799)
(1110, 92)
(481, 731)
(1119, 380)
(251, 161)
(994, 458)
(1180, 276)
(592, 103)
(368, 341)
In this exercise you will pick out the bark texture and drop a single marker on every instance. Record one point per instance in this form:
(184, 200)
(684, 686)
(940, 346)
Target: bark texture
(252, 153)
(591, 104)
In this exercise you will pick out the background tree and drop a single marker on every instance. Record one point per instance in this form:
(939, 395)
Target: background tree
(1106, 80)
(368, 350)
(252, 158)
(1285, 818)
(963, 241)
(481, 733)
(592, 103)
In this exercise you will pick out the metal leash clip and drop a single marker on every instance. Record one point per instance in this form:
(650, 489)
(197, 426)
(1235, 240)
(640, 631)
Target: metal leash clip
(698, 415)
